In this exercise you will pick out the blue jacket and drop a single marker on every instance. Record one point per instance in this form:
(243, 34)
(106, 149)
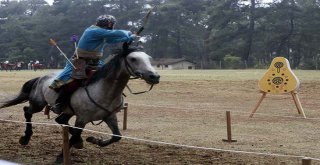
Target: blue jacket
(91, 45)
(95, 38)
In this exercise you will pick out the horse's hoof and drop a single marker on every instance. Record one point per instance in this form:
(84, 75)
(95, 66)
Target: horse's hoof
(59, 159)
(91, 139)
(78, 145)
(23, 140)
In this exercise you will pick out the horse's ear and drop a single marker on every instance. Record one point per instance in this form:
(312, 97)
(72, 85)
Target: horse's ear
(125, 46)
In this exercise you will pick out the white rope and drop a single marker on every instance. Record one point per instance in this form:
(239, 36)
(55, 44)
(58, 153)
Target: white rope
(167, 143)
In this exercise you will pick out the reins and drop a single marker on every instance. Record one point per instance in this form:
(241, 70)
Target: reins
(101, 107)
(136, 93)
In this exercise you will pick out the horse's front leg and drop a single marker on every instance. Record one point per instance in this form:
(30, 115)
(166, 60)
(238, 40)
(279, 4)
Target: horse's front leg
(64, 119)
(75, 138)
(112, 122)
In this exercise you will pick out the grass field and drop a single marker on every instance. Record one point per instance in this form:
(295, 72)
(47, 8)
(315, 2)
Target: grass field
(187, 107)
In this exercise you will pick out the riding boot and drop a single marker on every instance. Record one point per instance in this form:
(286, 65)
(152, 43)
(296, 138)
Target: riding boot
(61, 100)
(64, 96)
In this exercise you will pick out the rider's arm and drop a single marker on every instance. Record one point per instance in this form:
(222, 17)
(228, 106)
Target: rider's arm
(116, 36)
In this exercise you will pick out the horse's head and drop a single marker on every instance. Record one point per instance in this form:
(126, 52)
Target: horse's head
(138, 65)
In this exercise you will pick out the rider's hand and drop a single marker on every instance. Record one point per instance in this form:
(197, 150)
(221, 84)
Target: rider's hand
(135, 36)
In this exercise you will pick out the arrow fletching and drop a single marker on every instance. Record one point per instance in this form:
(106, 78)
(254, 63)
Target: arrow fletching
(52, 42)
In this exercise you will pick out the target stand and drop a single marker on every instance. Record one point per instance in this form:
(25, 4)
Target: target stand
(279, 79)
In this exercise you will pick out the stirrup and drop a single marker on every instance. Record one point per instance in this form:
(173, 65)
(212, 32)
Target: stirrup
(57, 108)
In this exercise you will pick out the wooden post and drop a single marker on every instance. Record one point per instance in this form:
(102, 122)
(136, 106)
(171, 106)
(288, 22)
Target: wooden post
(47, 111)
(306, 161)
(125, 116)
(228, 128)
(66, 149)
(258, 104)
(298, 103)
(295, 102)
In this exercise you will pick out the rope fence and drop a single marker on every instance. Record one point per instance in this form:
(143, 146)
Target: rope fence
(305, 160)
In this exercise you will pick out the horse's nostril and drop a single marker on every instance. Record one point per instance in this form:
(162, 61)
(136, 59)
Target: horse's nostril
(154, 77)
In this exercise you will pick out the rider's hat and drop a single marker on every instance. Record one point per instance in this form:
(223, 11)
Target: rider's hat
(106, 21)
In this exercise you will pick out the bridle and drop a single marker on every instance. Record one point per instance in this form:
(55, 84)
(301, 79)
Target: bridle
(133, 76)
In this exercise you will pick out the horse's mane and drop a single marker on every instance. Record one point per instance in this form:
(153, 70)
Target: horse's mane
(109, 69)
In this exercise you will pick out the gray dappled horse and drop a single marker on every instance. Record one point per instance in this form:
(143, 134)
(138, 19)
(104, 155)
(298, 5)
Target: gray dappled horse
(99, 99)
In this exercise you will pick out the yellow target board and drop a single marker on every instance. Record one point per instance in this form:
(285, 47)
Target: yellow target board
(279, 78)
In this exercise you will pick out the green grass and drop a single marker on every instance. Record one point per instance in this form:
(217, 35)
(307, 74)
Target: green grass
(180, 75)
(232, 75)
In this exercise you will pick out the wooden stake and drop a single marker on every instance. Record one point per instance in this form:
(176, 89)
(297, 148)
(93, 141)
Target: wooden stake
(228, 128)
(47, 111)
(66, 149)
(125, 116)
(298, 103)
(258, 104)
(295, 101)
(306, 161)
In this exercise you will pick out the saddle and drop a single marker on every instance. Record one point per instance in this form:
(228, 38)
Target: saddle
(79, 70)
(84, 68)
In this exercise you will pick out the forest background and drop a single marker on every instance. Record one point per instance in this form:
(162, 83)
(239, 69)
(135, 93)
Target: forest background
(226, 34)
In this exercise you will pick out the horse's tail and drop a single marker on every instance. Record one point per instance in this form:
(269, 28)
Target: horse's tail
(23, 96)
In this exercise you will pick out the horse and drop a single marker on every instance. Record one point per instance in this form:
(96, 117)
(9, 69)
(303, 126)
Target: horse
(38, 66)
(99, 100)
(8, 66)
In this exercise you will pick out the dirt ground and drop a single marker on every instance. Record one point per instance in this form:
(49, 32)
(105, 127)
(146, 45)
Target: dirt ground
(186, 108)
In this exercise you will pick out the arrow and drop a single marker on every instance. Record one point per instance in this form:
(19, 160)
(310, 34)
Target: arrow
(53, 43)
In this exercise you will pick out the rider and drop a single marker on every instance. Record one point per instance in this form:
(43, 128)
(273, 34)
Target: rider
(88, 53)
(6, 62)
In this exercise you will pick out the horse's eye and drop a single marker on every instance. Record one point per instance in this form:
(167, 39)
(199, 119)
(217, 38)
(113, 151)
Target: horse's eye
(133, 59)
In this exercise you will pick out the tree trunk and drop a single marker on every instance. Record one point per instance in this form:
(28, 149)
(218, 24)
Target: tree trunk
(286, 38)
(179, 50)
(248, 44)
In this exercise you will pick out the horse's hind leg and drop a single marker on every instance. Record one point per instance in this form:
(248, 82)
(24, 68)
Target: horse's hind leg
(28, 112)
(112, 122)
(24, 140)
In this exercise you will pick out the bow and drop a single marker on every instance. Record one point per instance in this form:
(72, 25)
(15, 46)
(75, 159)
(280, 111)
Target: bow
(145, 20)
